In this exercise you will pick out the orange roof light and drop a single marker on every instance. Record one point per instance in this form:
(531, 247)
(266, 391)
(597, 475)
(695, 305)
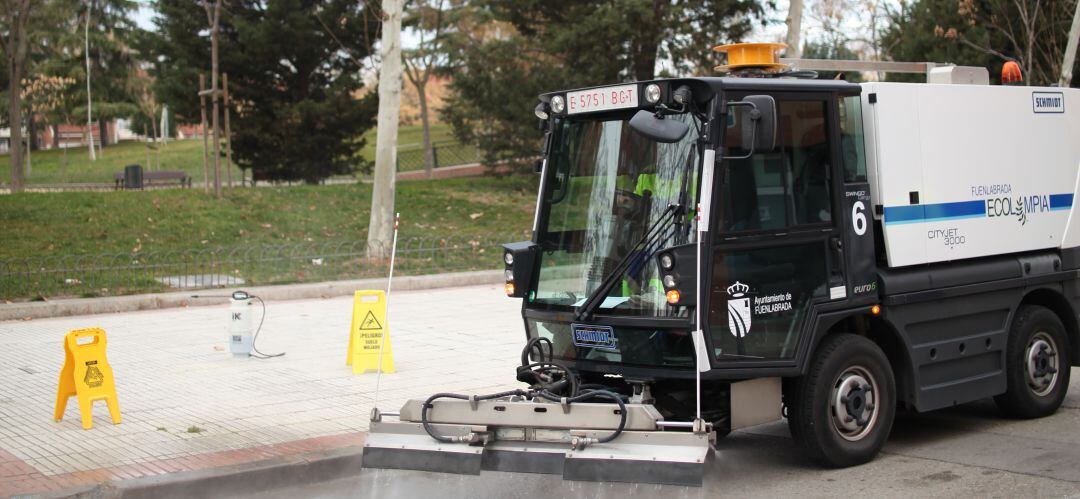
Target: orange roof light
(751, 55)
(1011, 75)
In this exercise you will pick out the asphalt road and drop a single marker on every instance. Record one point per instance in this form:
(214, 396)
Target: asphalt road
(966, 451)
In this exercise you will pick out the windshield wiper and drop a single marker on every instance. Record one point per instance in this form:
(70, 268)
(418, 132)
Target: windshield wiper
(650, 238)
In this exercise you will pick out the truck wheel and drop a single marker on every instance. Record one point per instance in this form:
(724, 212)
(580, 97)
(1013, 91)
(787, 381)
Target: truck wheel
(842, 410)
(1037, 364)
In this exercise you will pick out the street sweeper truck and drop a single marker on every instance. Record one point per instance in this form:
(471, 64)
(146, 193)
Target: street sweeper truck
(717, 252)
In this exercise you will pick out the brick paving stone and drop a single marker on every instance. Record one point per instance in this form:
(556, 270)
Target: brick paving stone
(173, 371)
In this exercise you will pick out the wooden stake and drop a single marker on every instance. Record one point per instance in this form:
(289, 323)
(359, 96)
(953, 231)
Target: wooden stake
(228, 133)
(205, 160)
(146, 138)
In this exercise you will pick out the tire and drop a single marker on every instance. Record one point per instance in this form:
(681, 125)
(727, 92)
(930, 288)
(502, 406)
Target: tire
(1037, 364)
(821, 402)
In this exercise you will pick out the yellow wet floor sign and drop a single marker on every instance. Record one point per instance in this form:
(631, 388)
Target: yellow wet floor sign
(86, 375)
(367, 331)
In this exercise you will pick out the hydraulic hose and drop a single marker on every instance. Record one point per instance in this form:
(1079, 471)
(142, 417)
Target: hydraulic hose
(427, 404)
(549, 380)
(596, 394)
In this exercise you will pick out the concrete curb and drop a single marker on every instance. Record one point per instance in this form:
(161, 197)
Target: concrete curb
(88, 306)
(229, 481)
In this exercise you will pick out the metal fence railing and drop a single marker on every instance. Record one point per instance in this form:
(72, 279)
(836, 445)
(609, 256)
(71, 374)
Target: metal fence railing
(118, 274)
(444, 154)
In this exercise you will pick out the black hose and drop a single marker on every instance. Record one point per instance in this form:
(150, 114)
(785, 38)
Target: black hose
(258, 354)
(535, 344)
(550, 369)
(596, 394)
(550, 379)
(427, 404)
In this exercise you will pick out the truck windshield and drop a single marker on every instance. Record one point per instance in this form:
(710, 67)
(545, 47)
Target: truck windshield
(606, 185)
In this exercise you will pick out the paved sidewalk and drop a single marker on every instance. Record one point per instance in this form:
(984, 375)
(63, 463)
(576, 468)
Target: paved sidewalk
(188, 404)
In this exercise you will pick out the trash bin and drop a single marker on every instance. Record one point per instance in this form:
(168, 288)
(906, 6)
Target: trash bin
(133, 177)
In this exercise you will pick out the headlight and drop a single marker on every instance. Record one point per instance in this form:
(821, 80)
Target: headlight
(669, 281)
(666, 261)
(652, 93)
(541, 111)
(509, 274)
(558, 104)
(508, 257)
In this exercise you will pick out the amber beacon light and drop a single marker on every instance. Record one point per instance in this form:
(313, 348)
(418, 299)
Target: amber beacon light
(1011, 75)
(763, 56)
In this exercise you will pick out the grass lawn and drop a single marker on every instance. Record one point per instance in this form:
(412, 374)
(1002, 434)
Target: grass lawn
(56, 227)
(56, 167)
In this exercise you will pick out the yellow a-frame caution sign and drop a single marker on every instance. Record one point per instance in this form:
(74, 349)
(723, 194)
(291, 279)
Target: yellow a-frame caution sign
(367, 332)
(87, 376)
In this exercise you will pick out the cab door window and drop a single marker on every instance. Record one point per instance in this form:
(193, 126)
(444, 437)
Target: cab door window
(770, 262)
(788, 187)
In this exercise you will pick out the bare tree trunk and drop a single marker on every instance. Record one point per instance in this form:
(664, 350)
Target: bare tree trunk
(33, 144)
(214, 19)
(228, 135)
(29, 148)
(15, 121)
(103, 136)
(1070, 50)
(205, 147)
(425, 120)
(146, 138)
(89, 101)
(381, 223)
(794, 30)
(157, 145)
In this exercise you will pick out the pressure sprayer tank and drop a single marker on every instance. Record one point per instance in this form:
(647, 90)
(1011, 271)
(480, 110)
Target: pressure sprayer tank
(240, 324)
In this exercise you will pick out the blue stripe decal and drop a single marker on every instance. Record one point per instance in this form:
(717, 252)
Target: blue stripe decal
(930, 212)
(1061, 201)
(918, 213)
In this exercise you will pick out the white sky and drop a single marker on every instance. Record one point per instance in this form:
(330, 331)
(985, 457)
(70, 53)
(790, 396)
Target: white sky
(772, 32)
(143, 16)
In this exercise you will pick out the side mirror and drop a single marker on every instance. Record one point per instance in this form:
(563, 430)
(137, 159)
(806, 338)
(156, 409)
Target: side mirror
(658, 129)
(757, 118)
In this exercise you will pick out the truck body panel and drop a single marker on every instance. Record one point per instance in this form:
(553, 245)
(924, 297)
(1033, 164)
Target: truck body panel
(967, 171)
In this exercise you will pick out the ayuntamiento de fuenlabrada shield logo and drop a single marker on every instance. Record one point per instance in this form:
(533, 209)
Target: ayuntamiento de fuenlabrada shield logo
(738, 309)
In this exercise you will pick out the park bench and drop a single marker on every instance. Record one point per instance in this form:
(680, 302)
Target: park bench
(156, 178)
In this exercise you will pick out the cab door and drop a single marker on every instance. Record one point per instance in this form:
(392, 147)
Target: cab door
(776, 251)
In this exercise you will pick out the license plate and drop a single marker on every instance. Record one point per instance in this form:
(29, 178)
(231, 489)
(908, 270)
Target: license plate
(601, 99)
(601, 337)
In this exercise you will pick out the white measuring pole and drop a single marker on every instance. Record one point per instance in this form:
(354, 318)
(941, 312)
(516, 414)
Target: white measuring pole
(386, 316)
(701, 356)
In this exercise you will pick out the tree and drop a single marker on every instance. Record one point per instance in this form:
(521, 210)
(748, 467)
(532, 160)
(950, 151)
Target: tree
(140, 85)
(112, 59)
(794, 29)
(984, 33)
(421, 63)
(44, 96)
(508, 51)
(15, 21)
(293, 83)
(381, 222)
(838, 50)
(213, 18)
